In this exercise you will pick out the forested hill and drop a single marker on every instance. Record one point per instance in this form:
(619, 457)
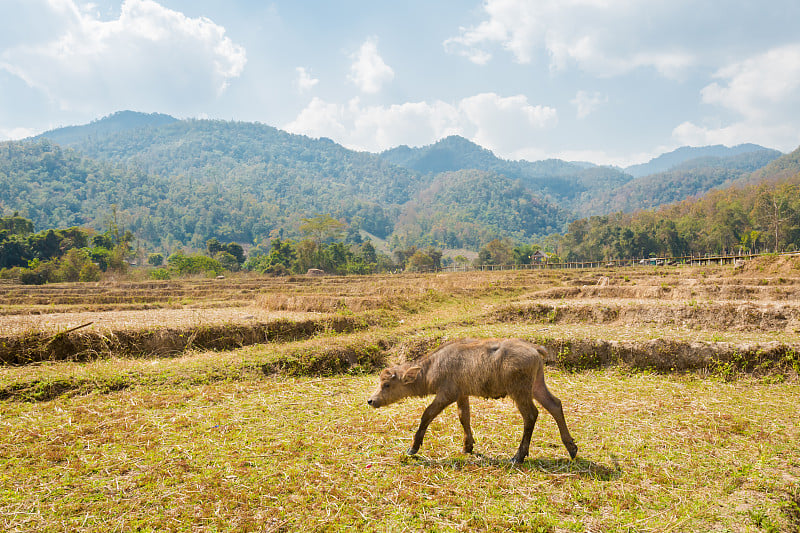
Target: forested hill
(265, 180)
(468, 208)
(691, 178)
(681, 156)
(182, 182)
(757, 217)
(780, 169)
(96, 131)
(59, 188)
(567, 183)
(295, 168)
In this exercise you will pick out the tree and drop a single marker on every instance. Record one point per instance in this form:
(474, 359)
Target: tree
(496, 252)
(323, 228)
(402, 255)
(419, 262)
(236, 251)
(774, 210)
(213, 247)
(523, 253)
(368, 253)
(16, 225)
(155, 259)
(193, 264)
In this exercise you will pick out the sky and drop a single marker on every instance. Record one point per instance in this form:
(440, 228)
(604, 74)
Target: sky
(607, 81)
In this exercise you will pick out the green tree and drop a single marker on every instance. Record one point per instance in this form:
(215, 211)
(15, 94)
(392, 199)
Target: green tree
(323, 228)
(227, 261)
(368, 253)
(236, 251)
(419, 262)
(213, 247)
(16, 225)
(496, 252)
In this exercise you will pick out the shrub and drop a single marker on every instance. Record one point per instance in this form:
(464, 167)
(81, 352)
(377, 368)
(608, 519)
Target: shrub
(193, 264)
(160, 273)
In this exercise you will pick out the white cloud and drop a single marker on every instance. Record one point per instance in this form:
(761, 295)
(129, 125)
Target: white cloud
(763, 92)
(605, 37)
(586, 103)
(12, 134)
(506, 125)
(369, 72)
(304, 80)
(502, 124)
(150, 57)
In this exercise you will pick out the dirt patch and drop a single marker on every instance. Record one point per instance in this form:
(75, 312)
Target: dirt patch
(781, 264)
(119, 319)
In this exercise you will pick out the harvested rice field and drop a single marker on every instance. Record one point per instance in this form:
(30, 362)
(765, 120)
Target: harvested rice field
(239, 404)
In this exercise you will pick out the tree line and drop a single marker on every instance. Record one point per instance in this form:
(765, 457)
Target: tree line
(757, 218)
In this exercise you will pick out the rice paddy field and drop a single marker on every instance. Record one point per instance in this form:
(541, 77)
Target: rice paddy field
(240, 404)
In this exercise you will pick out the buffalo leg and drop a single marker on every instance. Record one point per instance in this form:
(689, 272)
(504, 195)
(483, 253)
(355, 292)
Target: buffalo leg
(463, 416)
(431, 412)
(553, 406)
(529, 414)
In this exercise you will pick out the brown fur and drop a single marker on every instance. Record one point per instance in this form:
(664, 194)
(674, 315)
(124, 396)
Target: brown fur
(490, 368)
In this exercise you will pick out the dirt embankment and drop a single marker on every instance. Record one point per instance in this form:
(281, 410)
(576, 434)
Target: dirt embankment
(666, 355)
(759, 297)
(160, 342)
(730, 316)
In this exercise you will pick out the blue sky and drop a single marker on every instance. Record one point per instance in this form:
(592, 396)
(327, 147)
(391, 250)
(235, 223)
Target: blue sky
(607, 81)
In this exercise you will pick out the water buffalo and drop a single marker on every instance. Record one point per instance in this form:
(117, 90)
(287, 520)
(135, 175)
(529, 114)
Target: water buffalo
(490, 368)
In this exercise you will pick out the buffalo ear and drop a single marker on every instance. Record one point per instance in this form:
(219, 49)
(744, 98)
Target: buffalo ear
(386, 375)
(411, 375)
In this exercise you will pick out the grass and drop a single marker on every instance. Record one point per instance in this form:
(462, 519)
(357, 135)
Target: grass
(276, 436)
(657, 453)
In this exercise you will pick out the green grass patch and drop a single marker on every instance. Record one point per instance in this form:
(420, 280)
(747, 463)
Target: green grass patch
(657, 453)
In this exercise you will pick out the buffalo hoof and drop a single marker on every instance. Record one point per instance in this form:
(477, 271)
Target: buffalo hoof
(572, 448)
(412, 451)
(516, 460)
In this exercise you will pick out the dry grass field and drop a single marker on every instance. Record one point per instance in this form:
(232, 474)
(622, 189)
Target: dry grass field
(239, 404)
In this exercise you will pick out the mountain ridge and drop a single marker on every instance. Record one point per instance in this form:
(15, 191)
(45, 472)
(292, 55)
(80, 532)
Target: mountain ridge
(181, 182)
(669, 160)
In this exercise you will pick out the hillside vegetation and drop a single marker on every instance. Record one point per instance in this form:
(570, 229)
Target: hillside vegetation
(757, 217)
(180, 183)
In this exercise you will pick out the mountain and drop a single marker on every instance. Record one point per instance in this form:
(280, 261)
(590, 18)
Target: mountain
(248, 203)
(58, 188)
(688, 179)
(448, 154)
(674, 158)
(97, 130)
(759, 212)
(564, 182)
(297, 169)
(179, 183)
(780, 169)
(468, 208)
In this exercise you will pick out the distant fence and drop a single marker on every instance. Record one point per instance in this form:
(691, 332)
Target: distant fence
(719, 259)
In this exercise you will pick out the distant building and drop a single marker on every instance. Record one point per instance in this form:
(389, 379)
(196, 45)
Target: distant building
(539, 256)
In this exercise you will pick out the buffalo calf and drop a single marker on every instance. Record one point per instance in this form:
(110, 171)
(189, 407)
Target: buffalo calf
(490, 368)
